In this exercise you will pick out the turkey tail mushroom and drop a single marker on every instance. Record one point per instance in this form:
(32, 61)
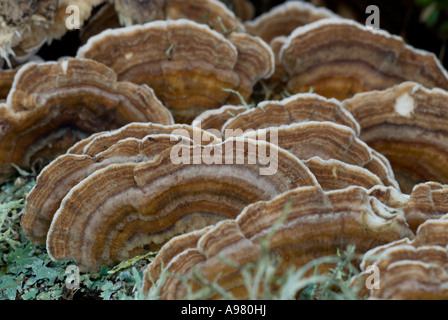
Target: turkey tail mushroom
(408, 124)
(327, 140)
(285, 18)
(298, 108)
(410, 269)
(317, 224)
(136, 142)
(129, 208)
(339, 58)
(187, 64)
(53, 105)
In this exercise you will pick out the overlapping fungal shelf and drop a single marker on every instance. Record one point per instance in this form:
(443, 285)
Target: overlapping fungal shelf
(411, 269)
(187, 128)
(317, 224)
(339, 58)
(52, 105)
(407, 123)
(285, 18)
(187, 64)
(130, 207)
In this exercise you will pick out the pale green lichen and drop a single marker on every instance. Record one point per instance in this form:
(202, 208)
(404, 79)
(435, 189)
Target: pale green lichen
(28, 273)
(243, 101)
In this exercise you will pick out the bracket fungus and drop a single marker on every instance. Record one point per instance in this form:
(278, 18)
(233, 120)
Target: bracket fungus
(150, 141)
(216, 118)
(390, 196)
(7, 76)
(276, 25)
(66, 171)
(53, 105)
(410, 269)
(317, 224)
(279, 79)
(333, 174)
(408, 124)
(126, 209)
(427, 201)
(339, 58)
(309, 125)
(256, 61)
(186, 63)
(135, 142)
(101, 141)
(298, 108)
(285, 18)
(327, 140)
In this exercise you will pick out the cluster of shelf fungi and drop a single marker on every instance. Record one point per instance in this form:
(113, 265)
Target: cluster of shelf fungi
(361, 148)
